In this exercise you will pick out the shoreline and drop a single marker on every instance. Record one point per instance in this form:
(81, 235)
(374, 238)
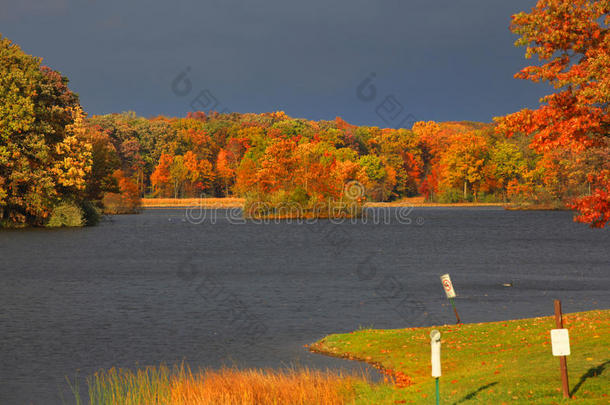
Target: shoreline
(231, 202)
(415, 202)
(403, 354)
(226, 202)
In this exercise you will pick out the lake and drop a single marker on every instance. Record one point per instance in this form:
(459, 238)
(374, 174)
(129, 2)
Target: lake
(161, 287)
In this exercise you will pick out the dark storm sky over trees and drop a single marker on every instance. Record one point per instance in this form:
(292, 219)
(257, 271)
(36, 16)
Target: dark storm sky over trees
(440, 59)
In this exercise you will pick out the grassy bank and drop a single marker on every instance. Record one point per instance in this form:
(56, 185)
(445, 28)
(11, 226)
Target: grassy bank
(229, 386)
(227, 202)
(420, 201)
(239, 203)
(490, 363)
(403, 203)
(537, 207)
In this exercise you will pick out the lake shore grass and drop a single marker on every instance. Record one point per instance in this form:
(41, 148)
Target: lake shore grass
(507, 362)
(537, 207)
(228, 386)
(234, 202)
(225, 202)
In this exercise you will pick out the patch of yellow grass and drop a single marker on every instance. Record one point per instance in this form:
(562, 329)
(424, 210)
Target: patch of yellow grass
(228, 202)
(419, 201)
(233, 202)
(227, 386)
(254, 387)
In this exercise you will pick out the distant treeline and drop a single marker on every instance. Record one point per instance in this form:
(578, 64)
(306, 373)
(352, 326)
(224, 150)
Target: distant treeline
(273, 157)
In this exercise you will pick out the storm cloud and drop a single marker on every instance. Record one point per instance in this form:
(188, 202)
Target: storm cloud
(440, 59)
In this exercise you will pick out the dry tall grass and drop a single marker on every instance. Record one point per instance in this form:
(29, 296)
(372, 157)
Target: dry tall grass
(227, 202)
(232, 202)
(254, 387)
(227, 386)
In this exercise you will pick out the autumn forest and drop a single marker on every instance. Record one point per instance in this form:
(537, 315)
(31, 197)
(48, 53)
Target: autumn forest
(299, 247)
(56, 163)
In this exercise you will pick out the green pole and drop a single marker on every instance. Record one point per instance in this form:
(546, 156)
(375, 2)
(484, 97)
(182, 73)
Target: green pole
(437, 392)
(455, 310)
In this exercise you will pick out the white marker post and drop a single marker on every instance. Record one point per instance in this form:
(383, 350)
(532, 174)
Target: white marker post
(560, 341)
(435, 348)
(448, 287)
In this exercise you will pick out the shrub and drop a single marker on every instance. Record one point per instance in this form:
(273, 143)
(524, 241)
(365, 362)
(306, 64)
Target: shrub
(66, 214)
(451, 196)
(488, 198)
(284, 205)
(91, 213)
(300, 196)
(112, 203)
(127, 201)
(115, 203)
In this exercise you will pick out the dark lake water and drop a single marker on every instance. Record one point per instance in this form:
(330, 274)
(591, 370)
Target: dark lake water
(153, 288)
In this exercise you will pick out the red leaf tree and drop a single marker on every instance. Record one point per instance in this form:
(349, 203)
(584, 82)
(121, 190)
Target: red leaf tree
(571, 39)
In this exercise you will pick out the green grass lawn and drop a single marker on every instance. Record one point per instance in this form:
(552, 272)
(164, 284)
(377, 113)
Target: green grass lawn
(491, 363)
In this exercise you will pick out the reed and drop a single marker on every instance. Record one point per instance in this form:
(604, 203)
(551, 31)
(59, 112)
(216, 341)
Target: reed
(227, 386)
(227, 202)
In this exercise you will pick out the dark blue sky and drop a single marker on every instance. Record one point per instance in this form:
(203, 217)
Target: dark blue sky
(440, 59)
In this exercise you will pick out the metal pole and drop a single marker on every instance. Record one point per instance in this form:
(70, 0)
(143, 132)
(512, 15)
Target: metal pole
(563, 363)
(455, 310)
(437, 392)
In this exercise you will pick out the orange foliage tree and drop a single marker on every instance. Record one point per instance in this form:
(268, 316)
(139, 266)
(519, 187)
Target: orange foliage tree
(224, 170)
(200, 174)
(161, 177)
(127, 200)
(571, 38)
(464, 163)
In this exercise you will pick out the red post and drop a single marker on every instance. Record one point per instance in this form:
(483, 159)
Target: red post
(563, 363)
(457, 316)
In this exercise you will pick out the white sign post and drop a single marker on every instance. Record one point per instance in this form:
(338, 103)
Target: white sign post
(435, 349)
(447, 286)
(560, 341)
(450, 292)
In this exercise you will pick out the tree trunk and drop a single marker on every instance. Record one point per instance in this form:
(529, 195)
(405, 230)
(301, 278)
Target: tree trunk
(465, 190)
